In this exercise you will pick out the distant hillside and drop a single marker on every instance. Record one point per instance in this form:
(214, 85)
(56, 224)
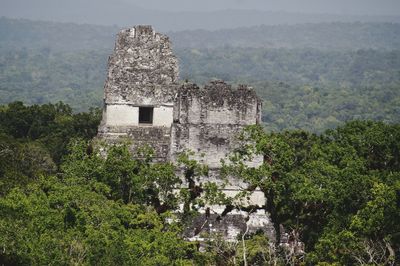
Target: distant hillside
(325, 36)
(42, 76)
(20, 33)
(294, 66)
(27, 34)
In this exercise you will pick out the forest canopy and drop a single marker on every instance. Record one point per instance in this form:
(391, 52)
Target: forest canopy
(60, 200)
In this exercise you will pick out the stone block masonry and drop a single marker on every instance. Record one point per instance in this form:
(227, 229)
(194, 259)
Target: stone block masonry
(207, 120)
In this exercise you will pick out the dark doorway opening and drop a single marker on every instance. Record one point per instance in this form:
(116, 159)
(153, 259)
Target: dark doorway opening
(146, 115)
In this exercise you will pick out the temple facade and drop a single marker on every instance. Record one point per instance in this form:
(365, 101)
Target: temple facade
(146, 103)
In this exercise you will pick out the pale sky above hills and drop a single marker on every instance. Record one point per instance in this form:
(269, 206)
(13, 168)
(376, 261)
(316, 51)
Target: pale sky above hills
(345, 7)
(202, 14)
(357, 7)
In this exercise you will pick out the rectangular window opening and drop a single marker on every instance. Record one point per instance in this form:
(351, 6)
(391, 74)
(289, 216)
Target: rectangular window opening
(146, 115)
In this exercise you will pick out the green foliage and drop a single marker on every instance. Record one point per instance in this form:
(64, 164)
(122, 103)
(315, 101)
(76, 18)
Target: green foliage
(258, 251)
(317, 108)
(49, 125)
(339, 191)
(190, 192)
(97, 210)
(131, 180)
(67, 223)
(379, 216)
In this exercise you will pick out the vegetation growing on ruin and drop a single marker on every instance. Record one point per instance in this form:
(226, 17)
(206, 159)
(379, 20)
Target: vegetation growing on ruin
(337, 192)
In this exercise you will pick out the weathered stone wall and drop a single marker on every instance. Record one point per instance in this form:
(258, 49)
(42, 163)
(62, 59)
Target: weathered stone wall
(128, 115)
(217, 103)
(230, 226)
(142, 72)
(208, 120)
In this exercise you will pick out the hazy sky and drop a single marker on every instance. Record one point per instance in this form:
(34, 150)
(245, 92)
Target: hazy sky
(160, 13)
(372, 7)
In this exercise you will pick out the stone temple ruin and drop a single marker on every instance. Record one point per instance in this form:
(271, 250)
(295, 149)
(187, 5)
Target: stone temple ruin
(145, 102)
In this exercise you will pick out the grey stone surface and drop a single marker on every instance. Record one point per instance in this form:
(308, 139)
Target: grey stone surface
(229, 226)
(207, 120)
(142, 70)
